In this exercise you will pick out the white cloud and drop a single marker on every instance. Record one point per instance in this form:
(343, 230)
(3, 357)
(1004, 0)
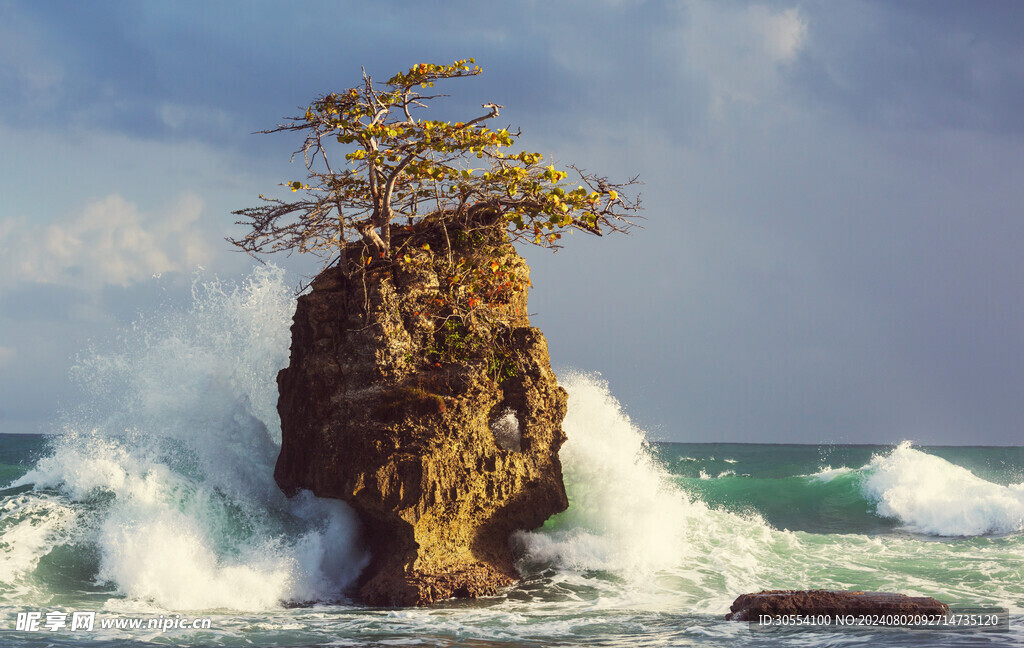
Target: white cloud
(741, 49)
(110, 241)
(784, 34)
(179, 116)
(6, 355)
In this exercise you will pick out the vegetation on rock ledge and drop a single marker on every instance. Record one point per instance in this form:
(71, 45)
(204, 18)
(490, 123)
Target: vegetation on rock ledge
(370, 160)
(385, 187)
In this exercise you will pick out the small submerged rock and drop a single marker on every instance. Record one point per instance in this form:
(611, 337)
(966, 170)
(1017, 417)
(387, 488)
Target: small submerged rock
(821, 602)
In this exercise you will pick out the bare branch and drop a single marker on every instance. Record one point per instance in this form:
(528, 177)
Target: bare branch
(494, 113)
(398, 166)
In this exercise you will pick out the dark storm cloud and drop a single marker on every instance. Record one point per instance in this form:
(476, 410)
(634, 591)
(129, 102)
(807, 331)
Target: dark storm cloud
(215, 70)
(918, 65)
(839, 261)
(135, 68)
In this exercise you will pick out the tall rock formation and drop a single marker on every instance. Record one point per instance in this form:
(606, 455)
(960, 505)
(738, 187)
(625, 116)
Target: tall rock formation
(443, 434)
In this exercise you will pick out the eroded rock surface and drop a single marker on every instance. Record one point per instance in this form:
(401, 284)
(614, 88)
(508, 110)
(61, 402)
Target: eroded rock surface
(829, 602)
(443, 438)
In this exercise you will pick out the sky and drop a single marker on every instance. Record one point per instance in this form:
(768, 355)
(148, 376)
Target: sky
(833, 192)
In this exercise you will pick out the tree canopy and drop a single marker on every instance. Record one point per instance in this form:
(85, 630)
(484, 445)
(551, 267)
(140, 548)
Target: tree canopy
(370, 159)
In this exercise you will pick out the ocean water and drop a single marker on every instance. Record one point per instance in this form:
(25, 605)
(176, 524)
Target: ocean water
(155, 502)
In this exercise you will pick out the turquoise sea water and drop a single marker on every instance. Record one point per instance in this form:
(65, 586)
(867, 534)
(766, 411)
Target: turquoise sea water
(157, 502)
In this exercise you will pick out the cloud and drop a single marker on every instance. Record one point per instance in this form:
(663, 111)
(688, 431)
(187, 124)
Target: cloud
(6, 355)
(935, 66)
(783, 33)
(179, 117)
(741, 49)
(25, 69)
(109, 242)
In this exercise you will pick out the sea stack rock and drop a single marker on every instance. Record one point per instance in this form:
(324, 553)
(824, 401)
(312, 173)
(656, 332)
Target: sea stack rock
(443, 434)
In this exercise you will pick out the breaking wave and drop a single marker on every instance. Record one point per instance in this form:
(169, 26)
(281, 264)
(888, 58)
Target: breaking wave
(171, 487)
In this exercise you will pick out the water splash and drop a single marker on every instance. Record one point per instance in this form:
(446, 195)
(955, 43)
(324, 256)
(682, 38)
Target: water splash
(933, 496)
(626, 515)
(176, 477)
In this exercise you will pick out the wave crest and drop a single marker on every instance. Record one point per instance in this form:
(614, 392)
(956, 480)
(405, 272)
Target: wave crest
(173, 485)
(933, 496)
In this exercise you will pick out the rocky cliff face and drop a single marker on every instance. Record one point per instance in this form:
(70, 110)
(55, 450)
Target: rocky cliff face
(442, 433)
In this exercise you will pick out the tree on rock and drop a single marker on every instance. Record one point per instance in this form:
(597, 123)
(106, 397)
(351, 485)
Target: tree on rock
(416, 389)
(371, 160)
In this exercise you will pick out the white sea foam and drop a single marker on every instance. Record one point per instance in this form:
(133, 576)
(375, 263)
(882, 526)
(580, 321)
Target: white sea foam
(933, 496)
(619, 498)
(828, 473)
(628, 517)
(30, 524)
(668, 550)
(174, 489)
(181, 467)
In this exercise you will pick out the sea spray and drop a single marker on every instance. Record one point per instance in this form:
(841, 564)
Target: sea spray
(678, 603)
(828, 473)
(620, 502)
(144, 496)
(933, 496)
(177, 474)
(636, 536)
(29, 525)
(627, 518)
